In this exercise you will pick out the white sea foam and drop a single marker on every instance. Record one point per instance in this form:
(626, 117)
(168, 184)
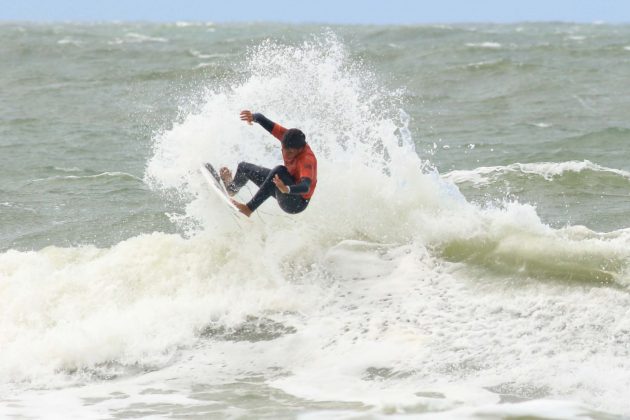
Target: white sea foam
(101, 175)
(198, 54)
(186, 24)
(136, 38)
(384, 290)
(81, 313)
(489, 45)
(71, 169)
(203, 65)
(70, 41)
(482, 64)
(201, 55)
(390, 201)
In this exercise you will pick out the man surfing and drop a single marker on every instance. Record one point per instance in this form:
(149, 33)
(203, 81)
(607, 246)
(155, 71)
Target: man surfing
(291, 184)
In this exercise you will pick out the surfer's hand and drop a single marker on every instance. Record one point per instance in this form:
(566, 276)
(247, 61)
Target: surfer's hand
(281, 186)
(247, 116)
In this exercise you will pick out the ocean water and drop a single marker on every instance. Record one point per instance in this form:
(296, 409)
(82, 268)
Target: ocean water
(466, 254)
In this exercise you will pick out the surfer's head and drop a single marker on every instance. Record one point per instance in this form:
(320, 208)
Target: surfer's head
(293, 139)
(293, 143)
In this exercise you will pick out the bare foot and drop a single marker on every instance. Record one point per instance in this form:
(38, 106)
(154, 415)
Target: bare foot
(242, 208)
(226, 177)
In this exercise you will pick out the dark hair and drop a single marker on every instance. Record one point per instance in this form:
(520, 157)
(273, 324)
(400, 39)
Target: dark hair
(293, 139)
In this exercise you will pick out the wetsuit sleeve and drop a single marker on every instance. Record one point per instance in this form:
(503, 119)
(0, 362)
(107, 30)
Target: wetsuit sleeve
(301, 187)
(275, 129)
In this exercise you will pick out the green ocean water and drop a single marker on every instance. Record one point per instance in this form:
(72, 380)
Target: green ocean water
(519, 134)
(81, 103)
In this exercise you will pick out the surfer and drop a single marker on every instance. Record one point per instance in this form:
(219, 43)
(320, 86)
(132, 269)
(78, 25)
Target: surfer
(291, 184)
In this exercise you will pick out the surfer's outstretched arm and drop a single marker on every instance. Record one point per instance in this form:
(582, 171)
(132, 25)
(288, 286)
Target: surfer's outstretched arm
(275, 129)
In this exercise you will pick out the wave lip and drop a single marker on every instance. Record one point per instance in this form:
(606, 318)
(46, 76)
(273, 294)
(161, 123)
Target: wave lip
(547, 170)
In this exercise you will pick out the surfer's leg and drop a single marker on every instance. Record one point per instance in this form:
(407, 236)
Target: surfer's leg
(268, 188)
(247, 172)
(290, 203)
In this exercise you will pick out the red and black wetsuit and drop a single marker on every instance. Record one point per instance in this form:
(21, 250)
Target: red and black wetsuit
(299, 174)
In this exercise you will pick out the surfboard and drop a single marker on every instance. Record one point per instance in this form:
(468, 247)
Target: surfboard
(216, 186)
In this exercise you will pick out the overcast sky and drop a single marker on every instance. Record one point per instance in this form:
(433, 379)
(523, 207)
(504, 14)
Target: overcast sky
(318, 11)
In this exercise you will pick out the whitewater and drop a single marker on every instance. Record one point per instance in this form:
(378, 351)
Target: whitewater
(430, 277)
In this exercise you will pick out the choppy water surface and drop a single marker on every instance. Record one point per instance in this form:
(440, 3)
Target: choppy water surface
(465, 256)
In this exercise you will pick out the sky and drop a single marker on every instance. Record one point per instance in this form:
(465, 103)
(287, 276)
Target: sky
(318, 11)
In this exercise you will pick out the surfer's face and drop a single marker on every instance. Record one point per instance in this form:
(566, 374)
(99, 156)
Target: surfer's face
(290, 153)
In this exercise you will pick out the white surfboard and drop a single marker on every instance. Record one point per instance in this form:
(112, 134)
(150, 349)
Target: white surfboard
(216, 186)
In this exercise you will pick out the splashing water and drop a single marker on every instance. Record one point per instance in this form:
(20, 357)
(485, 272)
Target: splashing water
(360, 292)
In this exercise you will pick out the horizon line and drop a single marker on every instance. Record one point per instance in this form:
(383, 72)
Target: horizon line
(306, 22)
